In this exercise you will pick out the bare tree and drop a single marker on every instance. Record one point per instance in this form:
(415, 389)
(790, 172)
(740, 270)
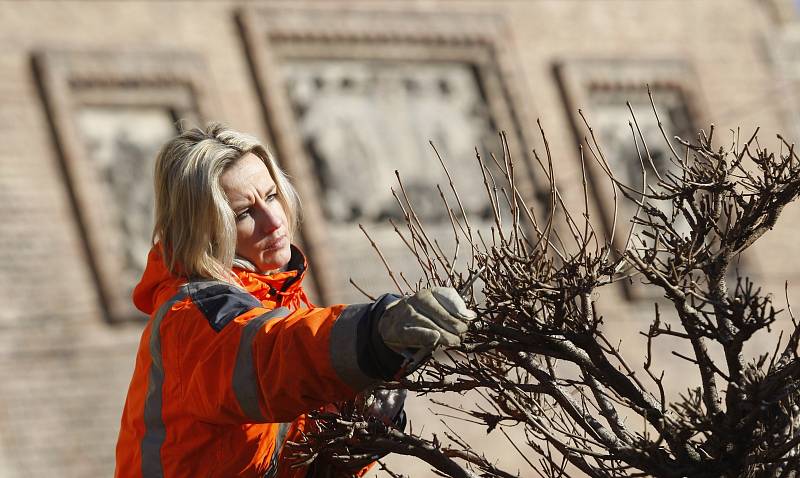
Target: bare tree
(540, 358)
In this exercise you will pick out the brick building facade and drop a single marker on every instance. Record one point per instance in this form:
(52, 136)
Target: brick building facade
(345, 92)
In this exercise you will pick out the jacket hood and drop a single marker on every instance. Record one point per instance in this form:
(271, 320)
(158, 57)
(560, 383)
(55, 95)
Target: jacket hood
(158, 284)
(156, 281)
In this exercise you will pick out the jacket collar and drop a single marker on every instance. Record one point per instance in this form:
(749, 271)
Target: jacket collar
(269, 286)
(157, 283)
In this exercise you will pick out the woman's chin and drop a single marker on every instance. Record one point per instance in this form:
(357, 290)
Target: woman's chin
(274, 261)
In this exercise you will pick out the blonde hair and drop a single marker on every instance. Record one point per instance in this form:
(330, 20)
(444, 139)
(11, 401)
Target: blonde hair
(193, 221)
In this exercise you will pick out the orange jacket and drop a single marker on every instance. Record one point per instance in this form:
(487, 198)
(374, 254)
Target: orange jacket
(223, 376)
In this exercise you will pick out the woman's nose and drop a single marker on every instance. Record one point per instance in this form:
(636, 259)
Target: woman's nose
(269, 218)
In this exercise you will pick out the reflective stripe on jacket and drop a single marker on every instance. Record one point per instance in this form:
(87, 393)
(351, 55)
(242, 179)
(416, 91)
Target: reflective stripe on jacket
(224, 375)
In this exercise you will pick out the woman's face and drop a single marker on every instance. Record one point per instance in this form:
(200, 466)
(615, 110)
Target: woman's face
(262, 232)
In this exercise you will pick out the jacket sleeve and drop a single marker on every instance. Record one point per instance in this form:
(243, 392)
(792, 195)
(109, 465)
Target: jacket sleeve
(254, 365)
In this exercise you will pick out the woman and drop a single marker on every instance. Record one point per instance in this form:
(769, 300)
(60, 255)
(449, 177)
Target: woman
(234, 353)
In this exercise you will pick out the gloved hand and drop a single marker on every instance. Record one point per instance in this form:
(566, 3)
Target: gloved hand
(379, 403)
(424, 320)
(383, 404)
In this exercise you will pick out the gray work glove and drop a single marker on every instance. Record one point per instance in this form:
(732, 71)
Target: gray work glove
(431, 317)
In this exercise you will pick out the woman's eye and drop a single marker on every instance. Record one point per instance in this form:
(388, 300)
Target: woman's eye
(243, 215)
(271, 197)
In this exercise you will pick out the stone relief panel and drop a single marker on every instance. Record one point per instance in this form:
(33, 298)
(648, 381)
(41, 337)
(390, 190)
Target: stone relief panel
(360, 121)
(610, 117)
(110, 112)
(351, 102)
(121, 144)
(601, 88)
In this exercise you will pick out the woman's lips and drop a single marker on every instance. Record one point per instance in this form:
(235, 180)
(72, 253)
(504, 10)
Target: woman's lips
(276, 243)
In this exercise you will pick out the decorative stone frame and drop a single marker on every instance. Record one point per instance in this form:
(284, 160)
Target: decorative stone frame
(69, 81)
(480, 39)
(577, 79)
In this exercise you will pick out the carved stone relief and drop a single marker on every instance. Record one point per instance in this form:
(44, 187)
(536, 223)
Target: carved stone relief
(352, 97)
(610, 117)
(110, 112)
(121, 144)
(360, 121)
(601, 89)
